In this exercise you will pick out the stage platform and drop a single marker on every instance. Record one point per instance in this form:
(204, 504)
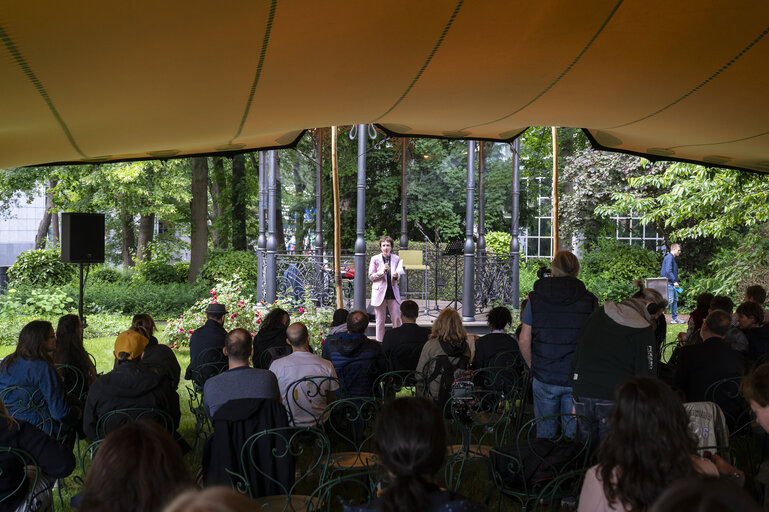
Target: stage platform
(478, 326)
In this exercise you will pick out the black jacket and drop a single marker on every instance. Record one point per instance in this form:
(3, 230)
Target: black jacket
(358, 361)
(52, 457)
(206, 346)
(403, 345)
(162, 359)
(559, 307)
(236, 421)
(129, 385)
(265, 340)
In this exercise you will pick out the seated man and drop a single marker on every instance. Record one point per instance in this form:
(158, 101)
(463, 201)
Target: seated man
(498, 350)
(358, 360)
(129, 385)
(305, 402)
(757, 294)
(734, 337)
(239, 380)
(403, 345)
(206, 343)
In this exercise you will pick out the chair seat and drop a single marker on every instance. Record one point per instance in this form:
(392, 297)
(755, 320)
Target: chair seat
(284, 502)
(350, 460)
(472, 452)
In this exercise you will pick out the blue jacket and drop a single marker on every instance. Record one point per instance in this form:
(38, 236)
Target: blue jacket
(40, 382)
(559, 307)
(669, 268)
(358, 361)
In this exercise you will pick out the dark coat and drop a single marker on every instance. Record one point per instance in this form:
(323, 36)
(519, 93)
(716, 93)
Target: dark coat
(206, 346)
(559, 308)
(701, 365)
(403, 345)
(129, 385)
(236, 421)
(265, 340)
(52, 457)
(358, 361)
(162, 359)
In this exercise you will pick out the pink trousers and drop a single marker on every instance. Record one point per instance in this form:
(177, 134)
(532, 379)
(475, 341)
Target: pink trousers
(381, 313)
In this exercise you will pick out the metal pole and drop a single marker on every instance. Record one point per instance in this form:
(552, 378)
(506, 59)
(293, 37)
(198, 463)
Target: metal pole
(270, 288)
(261, 242)
(319, 196)
(481, 202)
(404, 197)
(337, 223)
(514, 242)
(554, 223)
(468, 288)
(359, 293)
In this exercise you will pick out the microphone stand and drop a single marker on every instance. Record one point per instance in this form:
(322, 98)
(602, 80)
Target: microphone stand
(428, 241)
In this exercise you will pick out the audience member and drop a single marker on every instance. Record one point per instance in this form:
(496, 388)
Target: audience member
(697, 316)
(402, 345)
(270, 340)
(705, 363)
(338, 323)
(137, 467)
(52, 459)
(750, 320)
(704, 494)
(446, 351)
(411, 440)
(734, 336)
(158, 357)
(70, 351)
(30, 371)
(558, 308)
(358, 360)
(616, 343)
(129, 385)
(305, 402)
(206, 343)
(212, 499)
(499, 351)
(648, 446)
(239, 380)
(756, 293)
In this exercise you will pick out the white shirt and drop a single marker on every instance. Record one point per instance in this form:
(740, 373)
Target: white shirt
(307, 402)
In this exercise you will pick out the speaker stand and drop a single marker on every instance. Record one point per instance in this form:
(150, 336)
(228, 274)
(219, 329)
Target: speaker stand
(83, 321)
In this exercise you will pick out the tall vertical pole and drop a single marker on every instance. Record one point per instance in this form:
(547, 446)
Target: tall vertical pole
(270, 288)
(468, 288)
(261, 242)
(359, 289)
(337, 222)
(555, 191)
(481, 202)
(514, 242)
(319, 195)
(404, 242)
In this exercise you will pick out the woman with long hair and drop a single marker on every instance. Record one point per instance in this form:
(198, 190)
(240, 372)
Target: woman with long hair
(270, 339)
(446, 350)
(648, 447)
(137, 467)
(38, 395)
(70, 350)
(411, 440)
(157, 356)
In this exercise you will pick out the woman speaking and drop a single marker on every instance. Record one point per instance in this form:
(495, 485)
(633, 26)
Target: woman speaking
(383, 273)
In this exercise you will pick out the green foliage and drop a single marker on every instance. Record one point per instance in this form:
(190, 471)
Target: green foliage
(158, 300)
(223, 264)
(105, 274)
(609, 269)
(159, 272)
(11, 325)
(498, 242)
(106, 324)
(40, 267)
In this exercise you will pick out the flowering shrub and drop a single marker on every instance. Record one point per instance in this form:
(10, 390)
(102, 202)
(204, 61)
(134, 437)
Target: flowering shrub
(242, 311)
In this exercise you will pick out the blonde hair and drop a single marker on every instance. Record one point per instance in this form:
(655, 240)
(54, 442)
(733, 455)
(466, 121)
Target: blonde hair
(448, 327)
(564, 264)
(213, 499)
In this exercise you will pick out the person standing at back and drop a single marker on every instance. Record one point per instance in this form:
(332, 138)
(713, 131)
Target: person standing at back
(552, 319)
(669, 270)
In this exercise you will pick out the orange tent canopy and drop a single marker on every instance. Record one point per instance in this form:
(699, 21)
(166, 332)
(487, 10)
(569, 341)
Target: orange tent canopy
(95, 81)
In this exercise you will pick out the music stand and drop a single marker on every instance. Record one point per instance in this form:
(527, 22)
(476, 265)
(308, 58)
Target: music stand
(455, 248)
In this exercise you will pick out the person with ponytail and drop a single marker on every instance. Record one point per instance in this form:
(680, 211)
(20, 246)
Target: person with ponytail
(411, 440)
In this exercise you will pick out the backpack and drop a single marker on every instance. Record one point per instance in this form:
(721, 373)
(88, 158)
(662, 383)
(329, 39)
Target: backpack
(541, 460)
(451, 374)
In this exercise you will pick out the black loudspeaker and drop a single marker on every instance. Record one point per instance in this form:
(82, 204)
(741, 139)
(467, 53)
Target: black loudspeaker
(82, 237)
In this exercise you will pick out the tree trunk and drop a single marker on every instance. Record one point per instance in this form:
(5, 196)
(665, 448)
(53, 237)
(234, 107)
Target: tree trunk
(218, 185)
(239, 193)
(128, 247)
(146, 234)
(45, 222)
(299, 208)
(199, 216)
